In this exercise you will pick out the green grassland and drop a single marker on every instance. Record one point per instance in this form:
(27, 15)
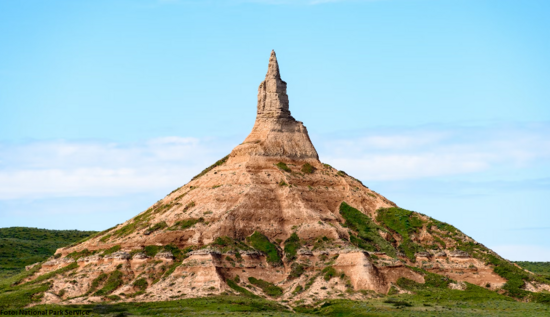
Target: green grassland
(542, 268)
(21, 246)
(402, 305)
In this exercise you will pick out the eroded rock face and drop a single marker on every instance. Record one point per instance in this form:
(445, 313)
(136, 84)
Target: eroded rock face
(276, 134)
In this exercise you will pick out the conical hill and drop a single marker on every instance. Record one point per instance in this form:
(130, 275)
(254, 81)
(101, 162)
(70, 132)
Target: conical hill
(271, 220)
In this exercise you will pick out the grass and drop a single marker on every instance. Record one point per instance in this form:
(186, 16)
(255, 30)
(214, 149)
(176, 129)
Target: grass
(21, 296)
(405, 223)
(187, 223)
(189, 206)
(111, 250)
(96, 282)
(157, 226)
(114, 282)
(283, 167)
(542, 268)
(78, 254)
(208, 306)
(225, 244)
(20, 246)
(368, 236)
(49, 275)
(268, 288)
(402, 221)
(211, 167)
(292, 244)
(342, 173)
(239, 289)
(151, 250)
(261, 243)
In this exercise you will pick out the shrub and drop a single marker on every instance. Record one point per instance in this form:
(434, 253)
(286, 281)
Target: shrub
(282, 183)
(141, 284)
(292, 244)
(308, 168)
(330, 272)
(151, 250)
(296, 270)
(298, 289)
(282, 166)
(261, 243)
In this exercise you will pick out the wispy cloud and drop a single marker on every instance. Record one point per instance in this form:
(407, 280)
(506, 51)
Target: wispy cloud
(424, 153)
(62, 168)
(72, 168)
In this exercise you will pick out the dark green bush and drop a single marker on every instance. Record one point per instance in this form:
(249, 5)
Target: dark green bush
(308, 168)
(292, 244)
(261, 243)
(282, 166)
(296, 270)
(151, 250)
(329, 273)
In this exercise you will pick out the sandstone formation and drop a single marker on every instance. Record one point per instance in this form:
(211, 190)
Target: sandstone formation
(267, 220)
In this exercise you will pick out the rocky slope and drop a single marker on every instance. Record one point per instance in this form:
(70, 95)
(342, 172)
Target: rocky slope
(271, 220)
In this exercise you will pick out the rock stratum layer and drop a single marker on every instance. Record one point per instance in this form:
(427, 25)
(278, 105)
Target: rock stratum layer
(269, 220)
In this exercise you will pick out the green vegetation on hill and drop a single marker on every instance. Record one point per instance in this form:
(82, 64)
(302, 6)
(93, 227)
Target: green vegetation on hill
(366, 233)
(405, 223)
(20, 246)
(261, 243)
(542, 268)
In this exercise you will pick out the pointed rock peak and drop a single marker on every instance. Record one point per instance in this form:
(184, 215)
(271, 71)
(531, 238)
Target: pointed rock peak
(276, 135)
(272, 97)
(273, 67)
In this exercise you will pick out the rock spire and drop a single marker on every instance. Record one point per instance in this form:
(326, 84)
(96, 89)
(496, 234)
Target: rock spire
(276, 135)
(272, 97)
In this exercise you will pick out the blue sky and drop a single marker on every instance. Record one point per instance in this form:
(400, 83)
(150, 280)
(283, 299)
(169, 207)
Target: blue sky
(442, 106)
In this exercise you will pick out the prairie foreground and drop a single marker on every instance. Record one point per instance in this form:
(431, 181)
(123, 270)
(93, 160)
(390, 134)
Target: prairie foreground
(402, 305)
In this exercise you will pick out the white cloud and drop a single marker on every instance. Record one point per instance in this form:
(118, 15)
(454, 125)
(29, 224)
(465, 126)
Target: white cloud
(68, 169)
(522, 252)
(414, 154)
